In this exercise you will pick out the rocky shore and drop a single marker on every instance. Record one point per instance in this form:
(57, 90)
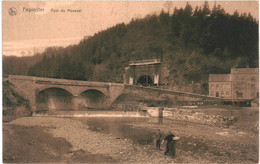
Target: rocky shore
(66, 140)
(84, 140)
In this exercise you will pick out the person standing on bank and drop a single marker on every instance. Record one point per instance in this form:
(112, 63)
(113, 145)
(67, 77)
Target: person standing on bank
(158, 137)
(170, 145)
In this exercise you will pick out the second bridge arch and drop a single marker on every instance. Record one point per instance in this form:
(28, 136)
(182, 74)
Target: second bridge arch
(93, 98)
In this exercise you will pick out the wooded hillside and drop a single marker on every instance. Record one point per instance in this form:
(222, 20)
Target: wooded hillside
(191, 42)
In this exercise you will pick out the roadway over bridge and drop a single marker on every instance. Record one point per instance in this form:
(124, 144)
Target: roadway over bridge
(171, 92)
(63, 94)
(188, 97)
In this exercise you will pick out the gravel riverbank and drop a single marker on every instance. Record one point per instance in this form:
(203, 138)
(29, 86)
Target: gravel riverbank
(66, 140)
(82, 139)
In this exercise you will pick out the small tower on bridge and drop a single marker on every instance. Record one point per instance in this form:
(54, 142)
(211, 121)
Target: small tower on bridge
(146, 73)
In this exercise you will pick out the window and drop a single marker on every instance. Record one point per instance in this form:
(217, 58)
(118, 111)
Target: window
(252, 85)
(212, 94)
(252, 94)
(222, 94)
(239, 94)
(217, 94)
(227, 85)
(227, 93)
(212, 86)
(217, 85)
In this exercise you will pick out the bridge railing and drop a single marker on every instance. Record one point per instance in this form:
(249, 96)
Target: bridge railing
(144, 61)
(172, 92)
(61, 81)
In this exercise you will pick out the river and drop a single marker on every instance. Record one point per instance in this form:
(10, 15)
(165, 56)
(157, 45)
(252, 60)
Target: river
(121, 128)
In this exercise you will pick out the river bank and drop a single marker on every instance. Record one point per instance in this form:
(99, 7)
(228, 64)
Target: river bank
(66, 140)
(81, 141)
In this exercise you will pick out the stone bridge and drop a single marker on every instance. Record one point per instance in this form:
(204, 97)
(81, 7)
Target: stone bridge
(62, 94)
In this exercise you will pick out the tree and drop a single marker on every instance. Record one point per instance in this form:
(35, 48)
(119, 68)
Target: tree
(168, 5)
(205, 9)
(192, 43)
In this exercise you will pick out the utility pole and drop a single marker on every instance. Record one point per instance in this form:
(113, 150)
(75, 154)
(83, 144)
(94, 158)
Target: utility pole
(134, 75)
(146, 77)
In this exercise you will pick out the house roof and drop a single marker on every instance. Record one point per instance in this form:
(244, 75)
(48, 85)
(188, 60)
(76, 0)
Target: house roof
(219, 77)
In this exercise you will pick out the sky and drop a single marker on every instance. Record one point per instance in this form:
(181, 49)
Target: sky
(30, 31)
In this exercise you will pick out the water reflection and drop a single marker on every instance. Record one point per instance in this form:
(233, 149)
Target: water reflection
(121, 129)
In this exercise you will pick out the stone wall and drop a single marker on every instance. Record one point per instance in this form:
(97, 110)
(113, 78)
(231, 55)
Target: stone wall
(91, 114)
(191, 115)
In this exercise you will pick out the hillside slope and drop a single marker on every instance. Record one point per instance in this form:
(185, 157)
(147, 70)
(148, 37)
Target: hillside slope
(191, 42)
(13, 104)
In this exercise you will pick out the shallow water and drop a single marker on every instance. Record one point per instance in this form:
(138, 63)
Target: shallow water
(120, 128)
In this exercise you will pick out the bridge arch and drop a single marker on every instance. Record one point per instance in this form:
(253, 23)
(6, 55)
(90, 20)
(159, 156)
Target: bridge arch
(94, 98)
(45, 87)
(54, 99)
(145, 80)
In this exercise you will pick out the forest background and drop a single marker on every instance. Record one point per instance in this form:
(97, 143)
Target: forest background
(192, 43)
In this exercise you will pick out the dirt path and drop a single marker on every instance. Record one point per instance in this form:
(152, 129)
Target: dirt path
(66, 140)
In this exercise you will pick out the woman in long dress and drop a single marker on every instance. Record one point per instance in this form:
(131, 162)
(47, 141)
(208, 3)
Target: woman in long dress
(170, 145)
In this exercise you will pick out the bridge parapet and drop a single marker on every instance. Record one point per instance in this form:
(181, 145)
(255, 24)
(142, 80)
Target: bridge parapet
(179, 93)
(62, 81)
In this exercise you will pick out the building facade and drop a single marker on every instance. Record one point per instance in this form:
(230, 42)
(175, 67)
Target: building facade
(146, 72)
(240, 84)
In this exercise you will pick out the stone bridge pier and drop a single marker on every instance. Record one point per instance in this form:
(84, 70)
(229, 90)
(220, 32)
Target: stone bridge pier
(61, 94)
